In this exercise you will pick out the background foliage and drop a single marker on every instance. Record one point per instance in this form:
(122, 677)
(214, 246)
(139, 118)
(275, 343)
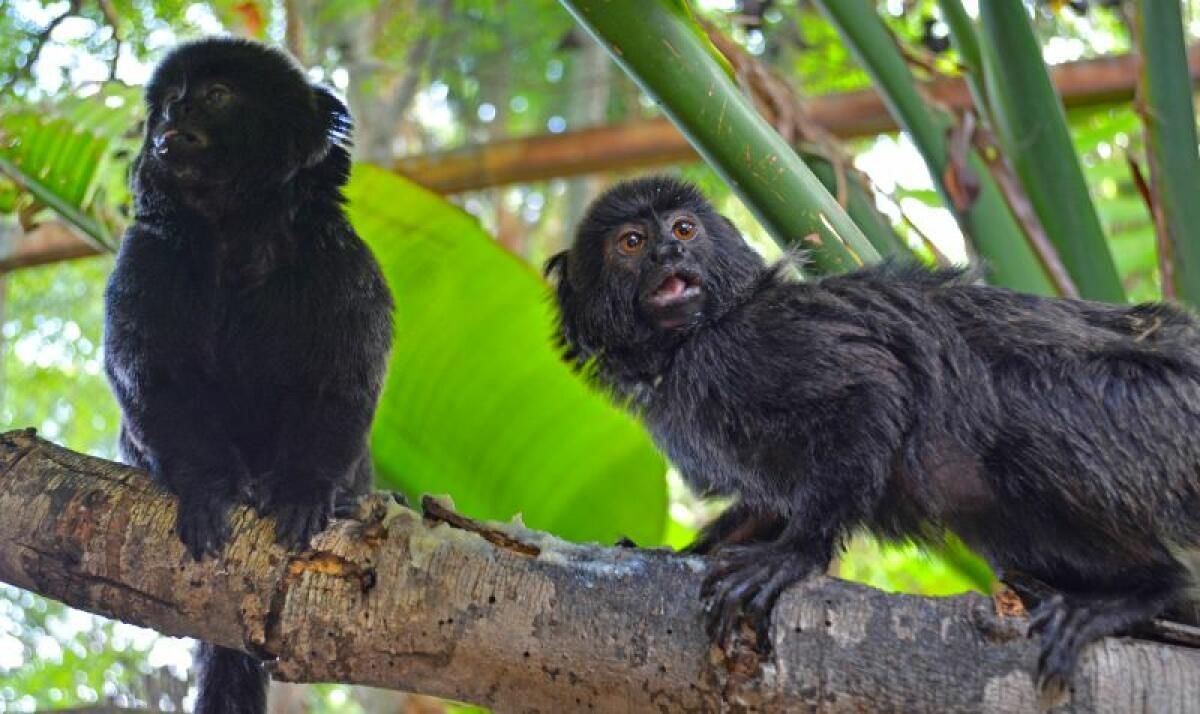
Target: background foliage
(477, 403)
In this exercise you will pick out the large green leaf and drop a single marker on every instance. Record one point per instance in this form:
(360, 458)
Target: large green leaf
(478, 403)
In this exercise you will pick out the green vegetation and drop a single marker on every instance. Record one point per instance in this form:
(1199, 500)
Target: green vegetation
(993, 231)
(696, 89)
(1170, 120)
(477, 403)
(1028, 119)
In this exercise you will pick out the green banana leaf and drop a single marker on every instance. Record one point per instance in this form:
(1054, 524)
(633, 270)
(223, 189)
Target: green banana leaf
(860, 205)
(477, 402)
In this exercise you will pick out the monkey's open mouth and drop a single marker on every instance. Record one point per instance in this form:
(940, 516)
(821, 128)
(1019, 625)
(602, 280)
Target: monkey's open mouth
(675, 288)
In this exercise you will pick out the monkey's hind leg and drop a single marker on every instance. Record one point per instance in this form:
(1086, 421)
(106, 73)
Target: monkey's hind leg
(1069, 622)
(736, 525)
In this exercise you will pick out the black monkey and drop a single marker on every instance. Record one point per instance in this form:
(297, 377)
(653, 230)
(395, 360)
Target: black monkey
(1060, 438)
(247, 326)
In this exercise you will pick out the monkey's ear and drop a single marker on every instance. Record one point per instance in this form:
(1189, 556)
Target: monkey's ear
(568, 336)
(556, 266)
(333, 129)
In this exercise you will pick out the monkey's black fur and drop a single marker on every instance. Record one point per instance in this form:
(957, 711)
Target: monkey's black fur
(1059, 438)
(247, 326)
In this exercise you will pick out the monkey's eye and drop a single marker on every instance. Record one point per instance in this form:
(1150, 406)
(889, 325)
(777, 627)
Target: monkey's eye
(174, 94)
(631, 242)
(218, 95)
(684, 229)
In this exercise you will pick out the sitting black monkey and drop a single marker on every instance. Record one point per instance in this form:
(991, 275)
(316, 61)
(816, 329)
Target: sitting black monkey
(247, 326)
(1056, 437)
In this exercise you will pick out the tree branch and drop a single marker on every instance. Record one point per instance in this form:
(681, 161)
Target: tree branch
(1093, 82)
(114, 21)
(656, 142)
(438, 607)
(49, 242)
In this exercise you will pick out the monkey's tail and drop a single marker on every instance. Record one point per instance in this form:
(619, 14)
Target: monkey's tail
(230, 682)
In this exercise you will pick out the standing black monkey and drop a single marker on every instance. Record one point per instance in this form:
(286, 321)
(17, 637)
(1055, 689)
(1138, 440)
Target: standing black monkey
(247, 326)
(1057, 437)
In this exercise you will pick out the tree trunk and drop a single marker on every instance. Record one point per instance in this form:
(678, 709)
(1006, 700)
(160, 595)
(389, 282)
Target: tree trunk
(519, 620)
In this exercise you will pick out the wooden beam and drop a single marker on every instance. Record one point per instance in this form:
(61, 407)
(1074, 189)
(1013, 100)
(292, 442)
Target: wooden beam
(49, 242)
(644, 144)
(537, 158)
(656, 142)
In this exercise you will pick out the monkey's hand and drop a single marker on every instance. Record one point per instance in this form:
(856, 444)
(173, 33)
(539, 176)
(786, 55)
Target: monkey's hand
(202, 522)
(300, 508)
(745, 582)
(736, 525)
(297, 523)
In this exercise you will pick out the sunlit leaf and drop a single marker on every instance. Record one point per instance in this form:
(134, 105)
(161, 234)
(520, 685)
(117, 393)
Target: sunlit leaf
(478, 403)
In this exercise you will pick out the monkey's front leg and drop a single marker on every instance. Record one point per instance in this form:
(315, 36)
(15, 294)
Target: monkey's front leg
(833, 496)
(175, 433)
(323, 440)
(747, 579)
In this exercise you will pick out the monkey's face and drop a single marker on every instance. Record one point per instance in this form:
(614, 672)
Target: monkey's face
(663, 256)
(236, 114)
(652, 261)
(189, 132)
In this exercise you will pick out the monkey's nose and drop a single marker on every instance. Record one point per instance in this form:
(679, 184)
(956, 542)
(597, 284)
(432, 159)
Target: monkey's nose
(667, 250)
(177, 141)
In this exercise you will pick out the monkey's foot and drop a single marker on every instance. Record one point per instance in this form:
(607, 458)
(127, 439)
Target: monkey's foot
(744, 584)
(202, 524)
(1069, 623)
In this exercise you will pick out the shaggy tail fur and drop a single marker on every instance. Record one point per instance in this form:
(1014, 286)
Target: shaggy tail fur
(230, 682)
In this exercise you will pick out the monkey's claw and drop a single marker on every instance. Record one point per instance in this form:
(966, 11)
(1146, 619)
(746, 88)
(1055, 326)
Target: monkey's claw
(743, 586)
(1059, 626)
(348, 505)
(1068, 623)
(297, 523)
(202, 526)
(299, 514)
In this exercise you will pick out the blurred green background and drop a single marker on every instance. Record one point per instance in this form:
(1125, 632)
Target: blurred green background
(453, 99)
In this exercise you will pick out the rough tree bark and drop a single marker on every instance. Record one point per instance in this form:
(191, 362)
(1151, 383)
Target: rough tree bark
(518, 620)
